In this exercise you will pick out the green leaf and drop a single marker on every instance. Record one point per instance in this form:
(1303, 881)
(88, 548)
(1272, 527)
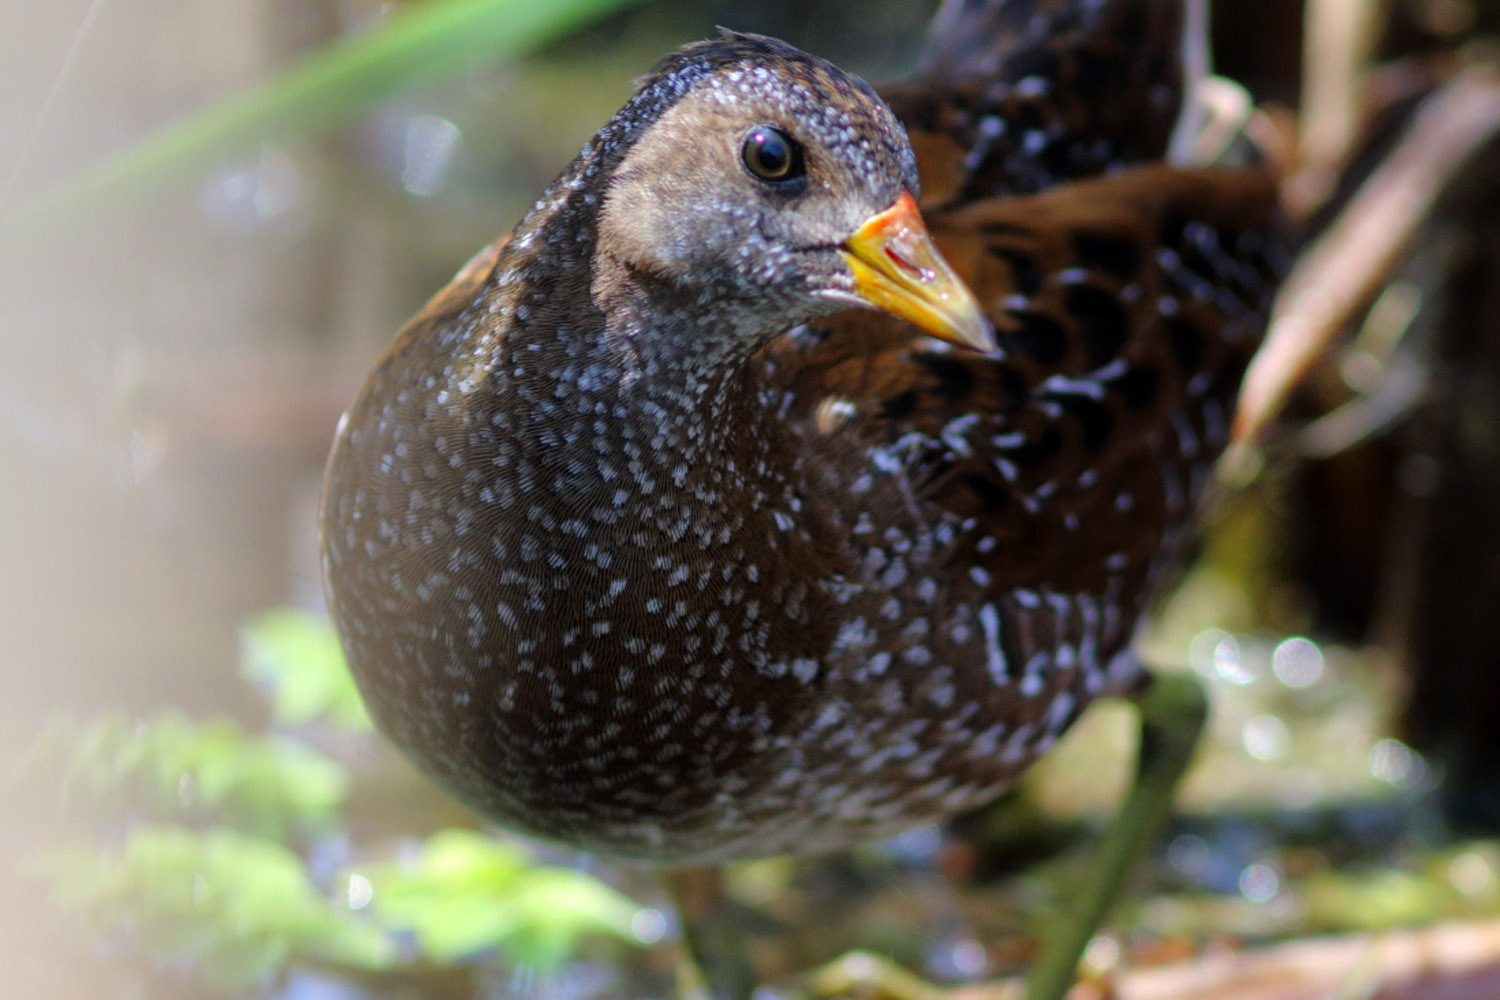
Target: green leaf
(422, 40)
(555, 907)
(237, 908)
(465, 894)
(180, 769)
(296, 657)
(458, 858)
(351, 944)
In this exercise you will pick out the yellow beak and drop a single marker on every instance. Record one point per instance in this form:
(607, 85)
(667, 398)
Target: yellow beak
(897, 268)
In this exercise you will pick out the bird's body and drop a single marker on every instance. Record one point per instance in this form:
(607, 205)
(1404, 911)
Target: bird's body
(622, 564)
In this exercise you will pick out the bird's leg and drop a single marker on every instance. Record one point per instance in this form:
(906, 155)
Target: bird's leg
(710, 935)
(1172, 710)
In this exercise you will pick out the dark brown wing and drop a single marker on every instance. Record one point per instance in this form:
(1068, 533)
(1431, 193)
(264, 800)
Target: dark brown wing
(1127, 308)
(1016, 96)
(1128, 296)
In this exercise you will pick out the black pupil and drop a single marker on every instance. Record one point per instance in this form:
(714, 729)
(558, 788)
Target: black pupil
(769, 154)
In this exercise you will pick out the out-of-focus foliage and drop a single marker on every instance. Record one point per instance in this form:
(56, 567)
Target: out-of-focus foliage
(295, 657)
(233, 908)
(1455, 883)
(171, 767)
(464, 894)
(219, 855)
(327, 87)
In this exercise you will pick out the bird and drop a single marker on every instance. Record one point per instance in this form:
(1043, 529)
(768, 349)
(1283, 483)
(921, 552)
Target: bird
(801, 465)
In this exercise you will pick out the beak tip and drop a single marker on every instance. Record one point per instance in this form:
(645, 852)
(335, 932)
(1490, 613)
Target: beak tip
(982, 336)
(965, 325)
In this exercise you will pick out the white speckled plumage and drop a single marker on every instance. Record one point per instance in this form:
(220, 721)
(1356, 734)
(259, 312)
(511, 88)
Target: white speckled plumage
(621, 566)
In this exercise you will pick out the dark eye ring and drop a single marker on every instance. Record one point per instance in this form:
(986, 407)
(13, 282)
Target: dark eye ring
(772, 155)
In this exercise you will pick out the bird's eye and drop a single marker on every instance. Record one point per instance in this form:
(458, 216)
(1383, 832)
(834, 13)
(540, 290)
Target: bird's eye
(772, 155)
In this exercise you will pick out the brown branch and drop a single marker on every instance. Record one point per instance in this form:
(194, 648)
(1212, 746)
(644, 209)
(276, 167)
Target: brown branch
(1339, 272)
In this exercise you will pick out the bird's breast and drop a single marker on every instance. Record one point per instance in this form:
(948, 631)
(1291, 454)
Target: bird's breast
(575, 606)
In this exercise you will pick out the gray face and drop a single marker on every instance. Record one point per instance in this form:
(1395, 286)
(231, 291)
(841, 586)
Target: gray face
(704, 223)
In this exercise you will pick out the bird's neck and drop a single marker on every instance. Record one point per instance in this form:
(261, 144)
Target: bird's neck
(589, 329)
(613, 374)
(689, 404)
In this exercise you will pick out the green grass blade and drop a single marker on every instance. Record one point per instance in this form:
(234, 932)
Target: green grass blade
(323, 89)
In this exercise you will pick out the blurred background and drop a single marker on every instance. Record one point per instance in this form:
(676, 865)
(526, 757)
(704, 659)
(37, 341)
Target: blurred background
(212, 218)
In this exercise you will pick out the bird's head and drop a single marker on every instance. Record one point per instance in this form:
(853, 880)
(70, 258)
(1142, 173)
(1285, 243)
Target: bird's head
(764, 181)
